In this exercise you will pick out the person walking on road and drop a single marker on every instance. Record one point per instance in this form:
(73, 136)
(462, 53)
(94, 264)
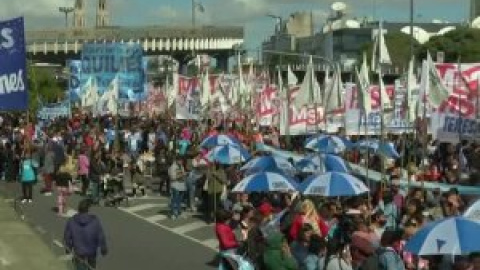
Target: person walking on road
(84, 236)
(83, 171)
(28, 176)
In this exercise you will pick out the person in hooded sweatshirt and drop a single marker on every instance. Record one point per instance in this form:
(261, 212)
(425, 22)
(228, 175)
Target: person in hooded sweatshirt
(277, 255)
(84, 236)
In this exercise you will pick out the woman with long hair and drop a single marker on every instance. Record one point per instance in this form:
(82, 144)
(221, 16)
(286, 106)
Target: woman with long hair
(308, 214)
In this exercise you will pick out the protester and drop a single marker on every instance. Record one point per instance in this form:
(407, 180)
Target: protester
(177, 174)
(63, 182)
(48, 170)
(277, 255)
(84, 237)
(83, 171)
(28, 176)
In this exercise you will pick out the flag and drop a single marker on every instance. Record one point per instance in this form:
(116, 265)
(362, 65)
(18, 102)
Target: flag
(380, 54)
(172, 90)
(411, 85)
(110, 97)
(309, 92)
(206, 92)
(292, 80)
(437, 92)
(364, 71)
(282, 89)
(90, 97)
(334, 92)
(386, 104)
(363, 93)
(424, 85)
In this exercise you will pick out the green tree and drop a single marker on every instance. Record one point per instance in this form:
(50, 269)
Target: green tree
(44, 87)
(398, 45)
(460, 44)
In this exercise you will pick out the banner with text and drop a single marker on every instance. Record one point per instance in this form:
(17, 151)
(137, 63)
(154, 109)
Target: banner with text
(187, 104)
(457, 117)
(52, 111)
(105, 61)
(13, 72)
(74, 80)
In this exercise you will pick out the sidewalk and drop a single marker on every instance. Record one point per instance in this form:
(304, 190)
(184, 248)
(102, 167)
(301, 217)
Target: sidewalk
(20, 247)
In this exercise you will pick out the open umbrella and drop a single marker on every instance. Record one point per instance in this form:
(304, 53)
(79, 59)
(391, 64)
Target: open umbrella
(266, 182)
(333, 184)
(267, 163)
(228, 154)
(384, 148)
(328, 144)
(322, 163)
(219, 139)
(454, 236)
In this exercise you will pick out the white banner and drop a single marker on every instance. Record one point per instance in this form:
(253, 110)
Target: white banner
(187, 103)
(457, 117)
(394, 121)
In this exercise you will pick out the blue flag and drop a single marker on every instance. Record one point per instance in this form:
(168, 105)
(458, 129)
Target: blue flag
(13, 72)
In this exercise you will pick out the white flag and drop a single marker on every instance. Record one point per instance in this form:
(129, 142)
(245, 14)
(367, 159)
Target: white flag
(334, 92)
(363, 93)
(110, 97)
(386, 104)
(90, 97)
(380, 55)
(411, 85)
(309, 92)
(292, 80)
(206, 91)
(173, 90)
(437, 93)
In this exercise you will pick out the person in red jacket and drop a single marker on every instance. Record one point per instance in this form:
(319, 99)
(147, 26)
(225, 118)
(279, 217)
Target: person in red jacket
(308, 214)
(225, 235)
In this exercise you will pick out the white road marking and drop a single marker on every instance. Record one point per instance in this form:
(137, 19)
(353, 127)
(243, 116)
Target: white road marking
(190, 227)
(172, 231)
(156, 218)
(58, 243)
(142, 207)
(211, 243)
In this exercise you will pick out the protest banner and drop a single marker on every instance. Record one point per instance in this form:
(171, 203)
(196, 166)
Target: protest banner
(187, 102)
(74, 79)
(13, 72)
(106, 61)
(52, 111)
(457, 117)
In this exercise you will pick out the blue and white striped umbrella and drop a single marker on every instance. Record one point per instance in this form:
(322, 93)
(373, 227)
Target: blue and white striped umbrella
(328, 144)
(333, 184)
(266, 182)
(219, 139)
(386, 149)
(322, 163)
(228, 154)
(454, 236)
(268, 163)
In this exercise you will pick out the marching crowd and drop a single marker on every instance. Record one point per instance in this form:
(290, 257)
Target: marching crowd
(271, 231)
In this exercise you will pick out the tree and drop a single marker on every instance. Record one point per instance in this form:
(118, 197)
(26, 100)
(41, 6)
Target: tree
(398, 45)
(44, 87)
(460, 44)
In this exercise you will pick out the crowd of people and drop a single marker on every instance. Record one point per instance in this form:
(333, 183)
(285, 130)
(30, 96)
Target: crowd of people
(271, 231)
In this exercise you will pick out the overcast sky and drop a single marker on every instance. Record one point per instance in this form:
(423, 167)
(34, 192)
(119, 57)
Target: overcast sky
(249, 13)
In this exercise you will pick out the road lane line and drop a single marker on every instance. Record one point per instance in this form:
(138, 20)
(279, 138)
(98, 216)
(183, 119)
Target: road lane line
(211, 243)
(143, 206)
(156, 218)
(58, 243)
(172, 231)
(190, 227)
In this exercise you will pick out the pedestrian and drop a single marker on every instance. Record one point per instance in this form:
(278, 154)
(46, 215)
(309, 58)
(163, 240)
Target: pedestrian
(216, 178)
(277, 255)
(83, 171)
(84, 236)
(177, 174)
(28, 176)
(63, 181)
(48, 170)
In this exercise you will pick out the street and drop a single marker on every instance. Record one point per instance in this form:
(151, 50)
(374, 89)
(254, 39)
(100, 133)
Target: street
(139, 236)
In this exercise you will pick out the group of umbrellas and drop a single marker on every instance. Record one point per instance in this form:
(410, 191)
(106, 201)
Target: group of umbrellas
(330, 178)
(272, 173)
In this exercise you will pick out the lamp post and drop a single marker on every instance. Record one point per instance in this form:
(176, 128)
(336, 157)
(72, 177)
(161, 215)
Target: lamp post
(66, 11)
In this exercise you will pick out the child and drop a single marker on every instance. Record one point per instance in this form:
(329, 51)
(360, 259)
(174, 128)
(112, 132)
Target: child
(63, 182)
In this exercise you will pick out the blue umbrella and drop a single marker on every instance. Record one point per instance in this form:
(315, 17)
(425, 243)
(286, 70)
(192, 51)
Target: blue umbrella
(228, 154)
(328, 144)
(266, 182)
(386, 148)
(268, 163)
(333, 184)
(322, 163)
(454, 235)
(219, 139)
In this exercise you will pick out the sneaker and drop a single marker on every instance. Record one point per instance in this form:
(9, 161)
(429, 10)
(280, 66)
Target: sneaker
(173, 217)
(47, 193)
(30, 201)
(24, 201)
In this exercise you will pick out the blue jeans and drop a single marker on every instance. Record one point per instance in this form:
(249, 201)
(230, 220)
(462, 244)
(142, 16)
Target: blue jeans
(176, 198)
(191, 188)
(84, 263)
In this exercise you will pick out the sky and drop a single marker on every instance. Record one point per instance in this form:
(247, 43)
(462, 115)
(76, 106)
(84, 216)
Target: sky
(43, 14)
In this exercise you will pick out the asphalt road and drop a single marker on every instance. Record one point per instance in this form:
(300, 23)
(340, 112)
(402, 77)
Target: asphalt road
(140, 235)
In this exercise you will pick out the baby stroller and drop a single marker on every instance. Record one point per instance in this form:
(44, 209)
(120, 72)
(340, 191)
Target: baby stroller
(114, 193)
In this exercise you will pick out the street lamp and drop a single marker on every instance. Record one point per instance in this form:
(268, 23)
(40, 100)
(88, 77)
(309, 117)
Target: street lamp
(66, 11)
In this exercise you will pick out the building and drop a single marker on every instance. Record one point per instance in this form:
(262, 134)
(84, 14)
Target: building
(102, 14)
(474, 9)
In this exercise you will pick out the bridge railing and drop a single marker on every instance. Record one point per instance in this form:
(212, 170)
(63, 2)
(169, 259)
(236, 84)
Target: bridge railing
(128, 33)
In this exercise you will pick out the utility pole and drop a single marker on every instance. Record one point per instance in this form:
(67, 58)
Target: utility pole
(411, 28)
(66, 11)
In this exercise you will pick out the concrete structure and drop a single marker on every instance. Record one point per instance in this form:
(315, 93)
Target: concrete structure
(102, 14)
(55, 46)
(79, 20)
(300, 24)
